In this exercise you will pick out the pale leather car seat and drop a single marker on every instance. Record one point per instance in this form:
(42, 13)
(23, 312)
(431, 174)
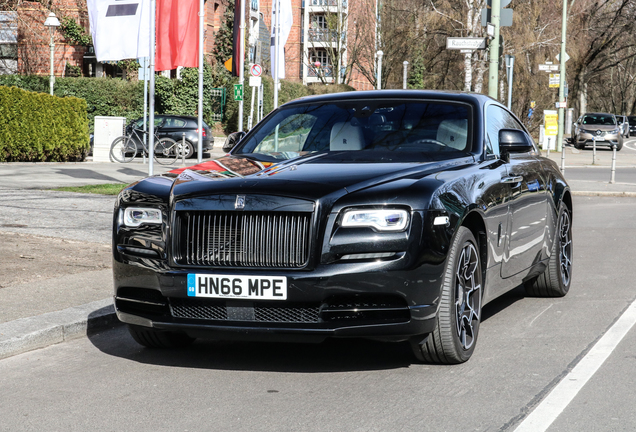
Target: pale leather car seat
(453, 133)
(345, 136)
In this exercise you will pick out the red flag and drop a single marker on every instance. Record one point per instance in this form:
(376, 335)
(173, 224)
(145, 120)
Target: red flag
(177, 34)
(236, 39)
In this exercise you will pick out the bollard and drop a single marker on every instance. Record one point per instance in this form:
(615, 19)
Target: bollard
(549, 145)
(594, 150)
(183, 147)
(562, 158)
(613, 176)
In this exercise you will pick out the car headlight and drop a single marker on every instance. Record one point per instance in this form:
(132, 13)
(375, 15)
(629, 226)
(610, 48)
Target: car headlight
(135, 216)
(379, 219)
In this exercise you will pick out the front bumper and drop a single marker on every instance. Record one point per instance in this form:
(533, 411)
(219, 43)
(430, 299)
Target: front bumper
(584, 138)
(351, 300)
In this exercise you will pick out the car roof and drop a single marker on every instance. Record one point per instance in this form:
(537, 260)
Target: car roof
(394, 94)
(191, 118)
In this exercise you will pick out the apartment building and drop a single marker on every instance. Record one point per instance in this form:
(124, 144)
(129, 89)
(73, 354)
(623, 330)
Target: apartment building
(316, 52)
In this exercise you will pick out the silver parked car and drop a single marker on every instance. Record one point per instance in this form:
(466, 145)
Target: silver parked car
(623, 122)
(600, 127)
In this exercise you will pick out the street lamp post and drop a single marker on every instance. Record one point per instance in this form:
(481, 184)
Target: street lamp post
(52, 22)
(379, 54)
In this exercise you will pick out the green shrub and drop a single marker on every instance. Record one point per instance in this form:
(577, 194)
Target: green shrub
(39, 127)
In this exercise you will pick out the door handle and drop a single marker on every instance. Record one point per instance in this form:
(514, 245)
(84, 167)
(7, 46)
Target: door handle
(512, 179)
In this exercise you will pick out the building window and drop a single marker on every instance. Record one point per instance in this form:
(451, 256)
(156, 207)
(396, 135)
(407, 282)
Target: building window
(319, 64)
(8, 43)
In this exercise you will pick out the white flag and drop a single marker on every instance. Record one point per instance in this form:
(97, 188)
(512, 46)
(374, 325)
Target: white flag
(121, 30)
(286, 20)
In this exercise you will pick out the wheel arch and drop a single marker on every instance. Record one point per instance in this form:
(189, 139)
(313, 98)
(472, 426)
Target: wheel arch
(474, 221)
(567, 200)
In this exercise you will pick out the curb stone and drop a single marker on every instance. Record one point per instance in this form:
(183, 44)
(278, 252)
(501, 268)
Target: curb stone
(26, 334)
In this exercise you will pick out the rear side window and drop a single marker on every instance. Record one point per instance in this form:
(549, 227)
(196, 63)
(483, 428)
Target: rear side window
(175, 123)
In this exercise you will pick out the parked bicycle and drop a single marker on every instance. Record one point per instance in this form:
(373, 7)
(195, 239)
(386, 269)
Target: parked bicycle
(125, 148)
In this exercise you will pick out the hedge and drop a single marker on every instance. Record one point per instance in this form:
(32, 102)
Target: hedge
(37, 127)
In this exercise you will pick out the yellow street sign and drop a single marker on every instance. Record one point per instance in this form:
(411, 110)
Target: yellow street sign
(228, 64)
(551, 122)
(554, 80)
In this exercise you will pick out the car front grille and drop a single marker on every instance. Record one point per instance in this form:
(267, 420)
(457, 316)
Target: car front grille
(202, 309)
(242, 239)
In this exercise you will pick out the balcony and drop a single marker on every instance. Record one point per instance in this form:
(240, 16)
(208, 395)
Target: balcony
(321, 71)
(324, 35)
(323, 3)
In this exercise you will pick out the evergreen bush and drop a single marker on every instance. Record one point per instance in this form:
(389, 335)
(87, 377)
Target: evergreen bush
(37, 127)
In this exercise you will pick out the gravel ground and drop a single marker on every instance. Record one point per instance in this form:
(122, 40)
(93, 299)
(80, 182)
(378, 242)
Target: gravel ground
(67, 215)
(48, 234)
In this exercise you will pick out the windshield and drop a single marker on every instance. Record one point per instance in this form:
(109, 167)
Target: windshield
(362, 126)
(631, 120)
(599, 119)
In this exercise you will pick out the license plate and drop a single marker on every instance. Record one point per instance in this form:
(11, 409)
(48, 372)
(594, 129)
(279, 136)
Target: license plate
(237, 286)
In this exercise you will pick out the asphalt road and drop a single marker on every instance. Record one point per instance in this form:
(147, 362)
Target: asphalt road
(527, 348)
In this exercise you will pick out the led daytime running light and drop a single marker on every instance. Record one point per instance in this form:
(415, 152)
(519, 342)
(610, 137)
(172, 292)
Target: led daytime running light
(135, 216)
(379, 219)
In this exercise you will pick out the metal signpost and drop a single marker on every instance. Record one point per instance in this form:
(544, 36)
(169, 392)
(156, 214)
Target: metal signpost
(255, 82)
(510, 67)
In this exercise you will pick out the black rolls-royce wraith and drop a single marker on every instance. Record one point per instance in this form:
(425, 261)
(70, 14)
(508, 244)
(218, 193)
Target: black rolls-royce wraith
(390, 215)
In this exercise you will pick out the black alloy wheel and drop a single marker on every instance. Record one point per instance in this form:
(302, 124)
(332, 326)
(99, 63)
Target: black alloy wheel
(556, 279)
(454, 338)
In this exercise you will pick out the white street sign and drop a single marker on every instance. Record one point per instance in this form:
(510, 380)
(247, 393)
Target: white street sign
(567, 57)
(255, 81)
(548, 67)
(466, 43)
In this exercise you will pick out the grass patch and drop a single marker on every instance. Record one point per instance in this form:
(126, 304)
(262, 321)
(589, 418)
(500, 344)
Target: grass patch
(102, 189)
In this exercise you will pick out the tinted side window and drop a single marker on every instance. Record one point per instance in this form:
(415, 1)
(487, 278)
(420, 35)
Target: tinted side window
(174, 123)
(494, 122)
(497, 119)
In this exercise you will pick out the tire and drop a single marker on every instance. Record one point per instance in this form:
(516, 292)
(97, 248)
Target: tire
(556, 279)
(185, 151)
(159, 339)
(619, 147)
(166, 151)
(123, 150)
(455, 335)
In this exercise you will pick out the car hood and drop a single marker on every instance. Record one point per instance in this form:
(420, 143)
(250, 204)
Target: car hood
(311, 176)
(603, 128)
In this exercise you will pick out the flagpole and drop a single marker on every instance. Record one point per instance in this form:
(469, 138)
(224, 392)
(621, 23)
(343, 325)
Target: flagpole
(242, 64)
(151, 91)
(200, 125)
(276, 56)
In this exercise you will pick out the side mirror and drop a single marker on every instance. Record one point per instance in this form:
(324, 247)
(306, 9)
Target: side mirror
(232, 140)
(514, 141)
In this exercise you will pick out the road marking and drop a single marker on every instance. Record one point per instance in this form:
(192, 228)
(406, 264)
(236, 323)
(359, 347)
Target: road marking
(560, 397)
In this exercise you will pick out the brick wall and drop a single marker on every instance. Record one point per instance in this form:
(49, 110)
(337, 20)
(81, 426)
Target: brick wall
(293, 47)
(34, 39)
